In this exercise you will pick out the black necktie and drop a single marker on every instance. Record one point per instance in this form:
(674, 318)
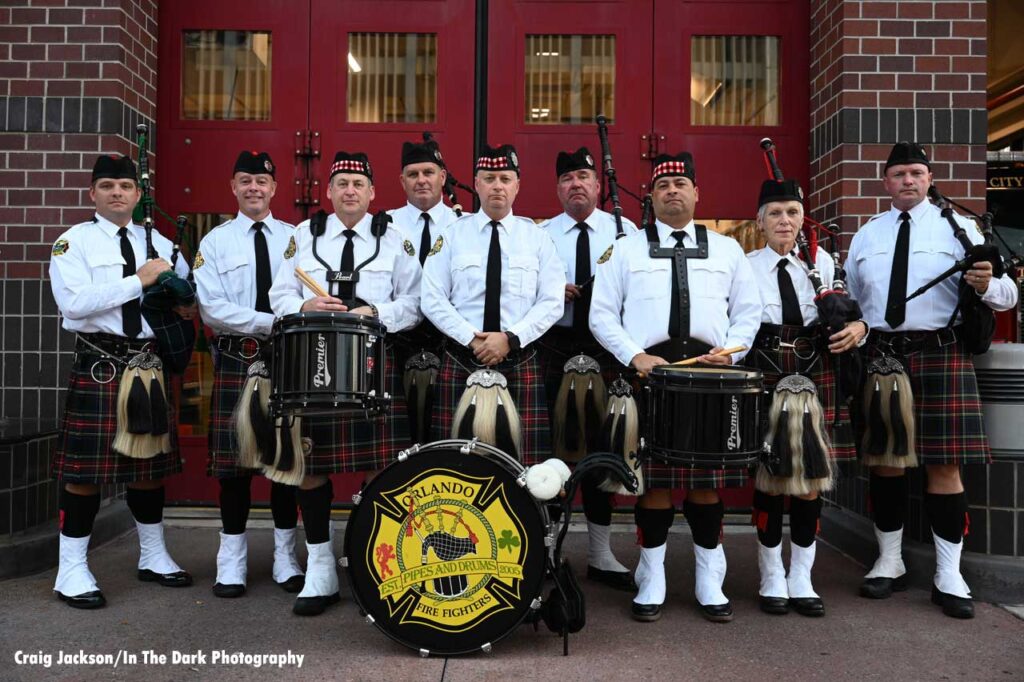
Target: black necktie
(347, 290)
(425, 238)
(581, 308)
(896, 306)
(790, 303)
(680, 304)
(262, 269)
(131, 313)
(492, 297)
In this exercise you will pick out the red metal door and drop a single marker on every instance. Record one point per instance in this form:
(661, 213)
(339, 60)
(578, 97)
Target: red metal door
(727, 157)
(360, 103)
(531, 32)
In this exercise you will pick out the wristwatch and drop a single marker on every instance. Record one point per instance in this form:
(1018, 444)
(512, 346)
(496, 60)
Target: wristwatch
(513, 341)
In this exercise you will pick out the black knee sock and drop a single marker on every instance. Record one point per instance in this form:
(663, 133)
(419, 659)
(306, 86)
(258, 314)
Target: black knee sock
(705, 522)
(803, 520)
(597, 504)
(77, 513)
(768, 518)
(284, 505)
(652, 525)
(235, 500)
(947, 514)
(888, 496)
(147, 506)
(316, 512)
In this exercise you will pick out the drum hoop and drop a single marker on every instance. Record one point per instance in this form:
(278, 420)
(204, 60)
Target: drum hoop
(737, 373)
(466, 447)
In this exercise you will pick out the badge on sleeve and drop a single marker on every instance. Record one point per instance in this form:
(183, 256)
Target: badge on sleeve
(60, 247)
(436, 248)
(290, 251)
(199, 260)
(606, 255)
(409, 248)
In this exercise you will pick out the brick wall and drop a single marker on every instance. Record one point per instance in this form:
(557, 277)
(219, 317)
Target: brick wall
(882, 72)
(75, 79)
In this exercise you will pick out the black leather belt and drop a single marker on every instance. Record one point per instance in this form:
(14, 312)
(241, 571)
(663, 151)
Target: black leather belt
(564, 341)
(118, 346)
(244, 347)
(772, 337)
(909, 342)
(675, 350)
(465, 356)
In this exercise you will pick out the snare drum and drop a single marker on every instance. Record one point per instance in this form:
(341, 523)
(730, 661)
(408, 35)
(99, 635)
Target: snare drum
(446, 550)
(704, 417)
(328, 363)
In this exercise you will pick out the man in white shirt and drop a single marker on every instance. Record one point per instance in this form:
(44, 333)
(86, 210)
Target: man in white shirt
(493, 284)
(645, 318)
(421, 221)
(98, 271)
(583, 235)
(892, 255)
(792, 341)
(388, 288)
(234, 268)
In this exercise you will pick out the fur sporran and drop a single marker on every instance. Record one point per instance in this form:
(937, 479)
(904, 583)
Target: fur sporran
(889, 415)
(486, 412)
(142, 425)
(798, 461)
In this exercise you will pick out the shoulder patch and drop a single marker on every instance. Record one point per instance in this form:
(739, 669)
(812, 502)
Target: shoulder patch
(436, 248)
(199, 260)
(606, 255)
(409, 248)
(290, 251)
(60, 247)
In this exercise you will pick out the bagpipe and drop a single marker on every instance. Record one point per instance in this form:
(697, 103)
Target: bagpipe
(142, 425)
(450, 182)
(609, 174)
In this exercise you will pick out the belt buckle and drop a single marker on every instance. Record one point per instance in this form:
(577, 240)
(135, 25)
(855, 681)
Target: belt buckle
(776, 343)
(942, 333)
(801, 344)
(241, 347)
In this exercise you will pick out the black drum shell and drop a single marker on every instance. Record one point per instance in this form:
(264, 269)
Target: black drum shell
(327, 363)
(704, 417)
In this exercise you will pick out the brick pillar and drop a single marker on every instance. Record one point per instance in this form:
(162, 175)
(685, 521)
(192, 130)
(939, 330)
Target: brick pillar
(75, 80)
(889, 71)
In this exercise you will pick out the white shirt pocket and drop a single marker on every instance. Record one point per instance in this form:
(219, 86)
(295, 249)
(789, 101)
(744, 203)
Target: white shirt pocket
(468, 277)
(105, 265)
(708, 278)
(650, 279)
(375, 285)
(523, 273)
(233, 270)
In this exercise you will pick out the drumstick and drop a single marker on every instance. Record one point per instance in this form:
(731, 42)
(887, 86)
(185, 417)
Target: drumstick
(693, 361)
(313, 285)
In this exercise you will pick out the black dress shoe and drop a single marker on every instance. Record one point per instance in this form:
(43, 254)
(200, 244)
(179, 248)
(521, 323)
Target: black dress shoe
(314, 606)
(716, 613)
(620, 580)
(176, 579)
(952, 605)
(882, 588)
(294, 584)
(228, 591)
(808, 606)
(86, 600)
(777, 606)
(646, 613)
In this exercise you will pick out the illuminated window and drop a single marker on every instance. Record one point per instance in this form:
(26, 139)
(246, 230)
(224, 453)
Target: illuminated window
(570, 79)
(392, 77)
(734, 81)
(226, 76)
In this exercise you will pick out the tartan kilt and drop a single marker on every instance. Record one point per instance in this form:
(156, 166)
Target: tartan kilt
(350, 443)
(947, 409)
(525, 385)
(88, 427)
(228, 379)
(821, 372)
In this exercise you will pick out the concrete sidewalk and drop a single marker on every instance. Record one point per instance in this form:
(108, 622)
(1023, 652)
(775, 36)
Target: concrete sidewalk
(905, 638)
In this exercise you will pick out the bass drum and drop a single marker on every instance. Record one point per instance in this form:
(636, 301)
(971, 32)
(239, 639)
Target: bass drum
(446, 550)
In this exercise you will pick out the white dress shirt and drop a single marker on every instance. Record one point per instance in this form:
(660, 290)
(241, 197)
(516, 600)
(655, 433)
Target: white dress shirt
(633, 295)
(532, 279)
(765, 263)
(563, 232)
(933, 249)
(86, 275)
(391, 281)
(409, 221)
(226, 279)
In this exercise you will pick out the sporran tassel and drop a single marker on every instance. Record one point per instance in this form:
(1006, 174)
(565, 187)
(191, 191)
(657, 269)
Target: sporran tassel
(571, 430)
(157, 406)
(142, 420)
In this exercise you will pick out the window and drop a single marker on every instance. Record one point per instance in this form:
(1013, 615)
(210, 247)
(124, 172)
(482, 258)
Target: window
(570, 79)
(392, 78)
(226, 76)
(734, 81)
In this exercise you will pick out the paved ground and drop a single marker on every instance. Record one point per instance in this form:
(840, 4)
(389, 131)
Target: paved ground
(904, 638)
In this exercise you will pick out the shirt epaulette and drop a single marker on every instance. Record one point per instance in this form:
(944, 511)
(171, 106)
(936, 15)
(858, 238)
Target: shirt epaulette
(876, 217)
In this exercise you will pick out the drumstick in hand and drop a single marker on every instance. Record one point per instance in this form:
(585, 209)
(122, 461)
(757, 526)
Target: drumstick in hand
(313, 285)
(693, 361)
